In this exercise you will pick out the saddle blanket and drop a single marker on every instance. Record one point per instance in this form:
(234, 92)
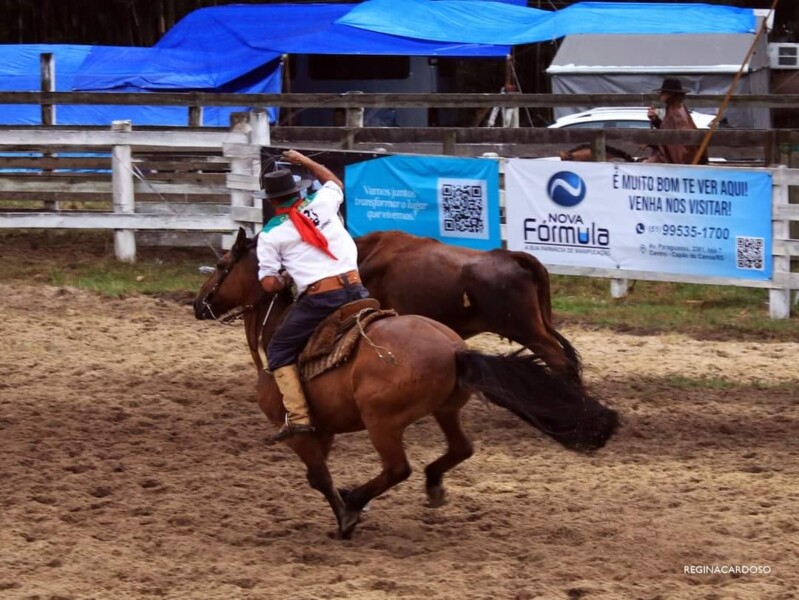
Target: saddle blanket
(337, 336)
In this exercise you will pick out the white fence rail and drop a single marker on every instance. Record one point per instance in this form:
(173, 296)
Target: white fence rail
(215, 165)
(226, 165)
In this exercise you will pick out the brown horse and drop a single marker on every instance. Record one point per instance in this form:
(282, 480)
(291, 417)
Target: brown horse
(472, 292)
(432, 373)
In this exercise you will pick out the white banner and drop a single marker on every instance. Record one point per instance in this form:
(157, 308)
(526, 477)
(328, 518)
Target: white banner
(636, 217)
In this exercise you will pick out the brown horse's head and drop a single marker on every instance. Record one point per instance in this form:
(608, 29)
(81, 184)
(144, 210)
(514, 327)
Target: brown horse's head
(234, 283)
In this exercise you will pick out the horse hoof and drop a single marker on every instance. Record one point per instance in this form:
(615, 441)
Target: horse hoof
(436, 496)
(347, 525)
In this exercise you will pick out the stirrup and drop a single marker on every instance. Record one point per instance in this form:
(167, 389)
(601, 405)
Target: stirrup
(288, 430)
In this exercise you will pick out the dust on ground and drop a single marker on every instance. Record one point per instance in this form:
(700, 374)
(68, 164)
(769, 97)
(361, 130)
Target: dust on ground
(133, 465)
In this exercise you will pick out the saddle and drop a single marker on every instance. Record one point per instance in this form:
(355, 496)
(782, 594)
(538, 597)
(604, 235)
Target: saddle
(337, 336)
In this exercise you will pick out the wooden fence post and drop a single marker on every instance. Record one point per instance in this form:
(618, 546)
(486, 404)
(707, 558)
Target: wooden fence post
(47, 67)
(195, 116)
(779, 300)
(259, 128)
(354, 121)
(599, 147)
(242, 170)
(260, 135)
(122, 185)
(449, 142)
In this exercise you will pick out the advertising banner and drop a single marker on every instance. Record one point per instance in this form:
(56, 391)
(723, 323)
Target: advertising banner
(455, 200)
(703, 221)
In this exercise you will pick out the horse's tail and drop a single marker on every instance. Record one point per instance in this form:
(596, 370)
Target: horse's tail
(541, 276)
(526, 387)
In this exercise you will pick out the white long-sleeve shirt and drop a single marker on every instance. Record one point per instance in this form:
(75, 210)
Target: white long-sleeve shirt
(280, 244)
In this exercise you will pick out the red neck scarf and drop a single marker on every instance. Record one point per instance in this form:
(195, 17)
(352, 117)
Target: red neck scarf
(308, 231)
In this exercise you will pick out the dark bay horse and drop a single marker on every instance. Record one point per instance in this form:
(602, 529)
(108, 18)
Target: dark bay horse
(433, 373)
(470, 291)
(585, 153)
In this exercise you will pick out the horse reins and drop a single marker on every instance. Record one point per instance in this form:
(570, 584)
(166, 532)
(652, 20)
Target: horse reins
(231, 317)
(220, 278)
(239, 314)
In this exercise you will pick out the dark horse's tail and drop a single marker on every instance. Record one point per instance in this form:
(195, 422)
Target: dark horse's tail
(525, 386)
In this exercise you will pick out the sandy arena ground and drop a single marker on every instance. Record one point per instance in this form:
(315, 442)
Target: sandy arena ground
(133, 465)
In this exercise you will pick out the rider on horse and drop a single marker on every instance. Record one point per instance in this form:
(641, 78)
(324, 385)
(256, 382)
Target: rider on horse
(308, 241)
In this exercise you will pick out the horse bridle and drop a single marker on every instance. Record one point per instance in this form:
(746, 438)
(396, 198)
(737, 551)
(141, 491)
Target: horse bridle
(233, 316)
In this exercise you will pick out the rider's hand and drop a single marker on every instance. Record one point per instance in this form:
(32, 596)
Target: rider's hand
(294, 157)
(286, 279)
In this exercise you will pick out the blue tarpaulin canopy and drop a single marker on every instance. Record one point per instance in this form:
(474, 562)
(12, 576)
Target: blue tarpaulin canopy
(303, 29)
(236, 48)
(214, 47)
(20, 71)
(499, 23)
(158, 68)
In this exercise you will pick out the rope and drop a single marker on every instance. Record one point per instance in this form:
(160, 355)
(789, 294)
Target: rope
(136, 171)
(715, 124)
(387, 357)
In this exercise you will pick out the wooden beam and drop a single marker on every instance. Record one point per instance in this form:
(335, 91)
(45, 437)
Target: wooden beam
(786, 248)
(14, 139)
(180, 239)
(182, 208)
(103, 186)
(235, 143)
(54, 162)
(522, 135)
(247, 214)
(393, 100)
(84, 220)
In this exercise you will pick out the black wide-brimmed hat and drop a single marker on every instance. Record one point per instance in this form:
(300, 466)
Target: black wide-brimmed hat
(672, 86)
(280, 183)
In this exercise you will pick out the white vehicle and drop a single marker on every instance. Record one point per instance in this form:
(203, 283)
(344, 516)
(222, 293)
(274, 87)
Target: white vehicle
(632, 117)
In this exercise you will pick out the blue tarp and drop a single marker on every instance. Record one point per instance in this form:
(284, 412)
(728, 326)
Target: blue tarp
(235, 48)
(213, 48)
(20, 71)
(301, 29)
(487, 22)
(113, 68)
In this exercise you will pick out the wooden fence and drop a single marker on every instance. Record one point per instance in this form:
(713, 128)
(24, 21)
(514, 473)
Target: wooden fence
(201, 180)
(128, 180)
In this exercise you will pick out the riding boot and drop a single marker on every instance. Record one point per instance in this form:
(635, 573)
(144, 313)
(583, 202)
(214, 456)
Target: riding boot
(297, 419)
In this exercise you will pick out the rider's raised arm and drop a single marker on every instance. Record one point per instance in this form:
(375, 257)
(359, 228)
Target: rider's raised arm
(319, 172)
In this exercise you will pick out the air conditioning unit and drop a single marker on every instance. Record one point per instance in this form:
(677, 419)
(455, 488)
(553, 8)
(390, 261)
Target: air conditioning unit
(783, 56)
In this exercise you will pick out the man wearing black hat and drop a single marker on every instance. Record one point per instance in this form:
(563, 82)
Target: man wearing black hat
(307, 239)
(677, 116)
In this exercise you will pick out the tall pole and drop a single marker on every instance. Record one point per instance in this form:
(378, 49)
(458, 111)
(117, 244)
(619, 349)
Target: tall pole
(715, 124)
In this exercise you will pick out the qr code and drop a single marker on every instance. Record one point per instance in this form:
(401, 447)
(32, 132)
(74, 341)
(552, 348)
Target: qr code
(749, 251)
(463, 208)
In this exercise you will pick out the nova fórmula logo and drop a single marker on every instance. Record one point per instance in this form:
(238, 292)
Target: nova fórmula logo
(566, 188)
